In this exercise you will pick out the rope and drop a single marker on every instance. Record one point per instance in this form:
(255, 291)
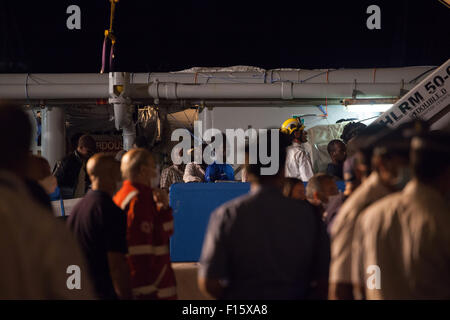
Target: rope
(26, 89)
(103, 54)
(422, 74)
(109, 35)
(111, 56)
(367, 119)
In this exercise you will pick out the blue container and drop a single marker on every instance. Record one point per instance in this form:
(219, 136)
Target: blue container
(192, 204)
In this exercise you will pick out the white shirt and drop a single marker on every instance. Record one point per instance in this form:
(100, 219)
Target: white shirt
(298, 162)
(343, 227)
(193, 173)
(406, 235)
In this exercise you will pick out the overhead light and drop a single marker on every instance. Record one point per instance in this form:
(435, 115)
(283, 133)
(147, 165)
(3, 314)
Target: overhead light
(368, 107)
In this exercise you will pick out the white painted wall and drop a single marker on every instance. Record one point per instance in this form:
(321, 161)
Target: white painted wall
(272, 117)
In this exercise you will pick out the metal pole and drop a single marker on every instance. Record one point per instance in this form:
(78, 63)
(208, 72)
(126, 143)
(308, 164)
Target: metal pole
(53, 136)
(33, 121)
(119, 83)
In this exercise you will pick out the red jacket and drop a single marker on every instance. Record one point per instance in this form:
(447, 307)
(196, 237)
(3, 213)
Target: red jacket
(148, 233)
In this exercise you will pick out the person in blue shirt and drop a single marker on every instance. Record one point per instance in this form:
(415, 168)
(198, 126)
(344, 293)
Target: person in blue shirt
(219, 171)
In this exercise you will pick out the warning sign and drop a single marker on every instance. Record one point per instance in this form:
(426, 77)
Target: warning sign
(430, 97)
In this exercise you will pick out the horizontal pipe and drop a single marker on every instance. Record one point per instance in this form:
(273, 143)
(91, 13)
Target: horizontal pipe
(53, 78)
(54, 91)
(384, 75)
(173, 91)
(369, 75)
(275, 84)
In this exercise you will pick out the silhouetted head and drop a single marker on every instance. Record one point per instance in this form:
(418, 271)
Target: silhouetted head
(86, 146)
(104, 172)
(15, 138)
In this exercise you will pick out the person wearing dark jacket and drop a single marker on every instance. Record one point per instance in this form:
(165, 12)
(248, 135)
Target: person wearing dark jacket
(71, 171)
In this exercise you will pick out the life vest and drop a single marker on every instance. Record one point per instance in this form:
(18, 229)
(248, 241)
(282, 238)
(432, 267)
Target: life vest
(148, 234)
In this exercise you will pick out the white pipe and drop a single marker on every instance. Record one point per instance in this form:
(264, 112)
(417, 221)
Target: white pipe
(53, 136)
(282, 91)
(366, 75)
(52, 78)
(122, 107)
(54, 91)
(124, 121)
(271, 84)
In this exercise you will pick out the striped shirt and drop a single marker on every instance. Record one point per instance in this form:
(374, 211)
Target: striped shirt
(170, 176)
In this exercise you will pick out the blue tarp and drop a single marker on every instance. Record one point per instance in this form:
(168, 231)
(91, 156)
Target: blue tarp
(192, 205)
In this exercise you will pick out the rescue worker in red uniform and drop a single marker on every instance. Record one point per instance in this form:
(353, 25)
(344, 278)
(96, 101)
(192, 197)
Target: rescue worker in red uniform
(149, 227)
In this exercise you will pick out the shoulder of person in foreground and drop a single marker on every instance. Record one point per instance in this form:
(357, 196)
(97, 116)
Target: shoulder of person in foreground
(350, 209)
(380, 210)
(52, 261)
(64, 259)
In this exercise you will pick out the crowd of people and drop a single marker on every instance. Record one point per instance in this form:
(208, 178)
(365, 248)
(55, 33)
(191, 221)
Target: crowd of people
(384, 237)
(74, 182)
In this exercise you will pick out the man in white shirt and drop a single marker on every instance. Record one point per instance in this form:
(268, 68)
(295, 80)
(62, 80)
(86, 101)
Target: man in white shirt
(298, 161)
(405, 235)
(389, 152)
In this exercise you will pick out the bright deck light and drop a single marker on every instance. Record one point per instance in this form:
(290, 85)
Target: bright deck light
(366, 108)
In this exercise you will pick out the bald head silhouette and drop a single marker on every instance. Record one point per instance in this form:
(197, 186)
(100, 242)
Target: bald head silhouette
(138, 166)
(104, 172)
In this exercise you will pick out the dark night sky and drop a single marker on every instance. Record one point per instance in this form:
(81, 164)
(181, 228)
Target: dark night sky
(173, 35)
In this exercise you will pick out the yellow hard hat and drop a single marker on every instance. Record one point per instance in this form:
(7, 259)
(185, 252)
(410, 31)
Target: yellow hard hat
(291, 125)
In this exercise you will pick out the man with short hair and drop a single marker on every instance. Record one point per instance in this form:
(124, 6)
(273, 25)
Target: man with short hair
(338, 153)
(319, 190)
(352, 130)
(406, 234)
(149, 227)
(172, 174)
(40, 259)
(263, 245)
(71, 171)
(390, 150)
(294, 188)
(100, 227)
